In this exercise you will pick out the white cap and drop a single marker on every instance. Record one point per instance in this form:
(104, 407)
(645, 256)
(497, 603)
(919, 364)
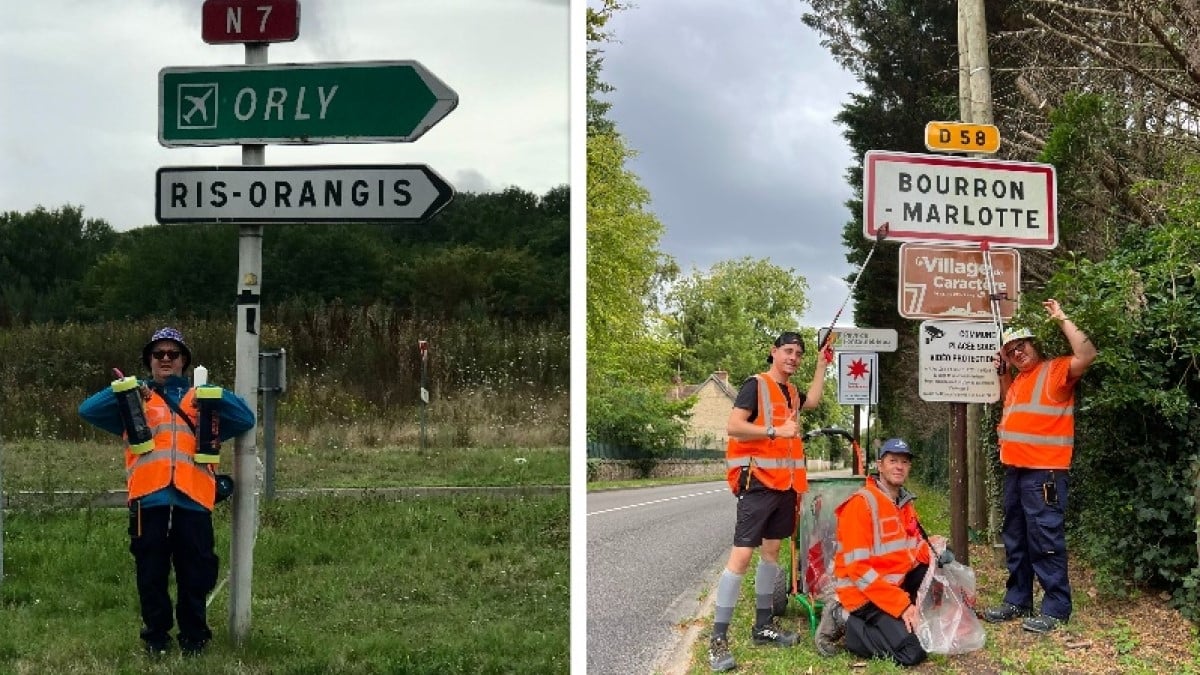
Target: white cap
(1016, 334)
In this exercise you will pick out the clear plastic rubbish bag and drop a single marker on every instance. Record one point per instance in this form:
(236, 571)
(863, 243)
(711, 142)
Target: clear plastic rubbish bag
(947, 622)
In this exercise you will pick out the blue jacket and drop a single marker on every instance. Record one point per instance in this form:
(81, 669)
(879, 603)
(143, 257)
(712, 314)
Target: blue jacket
(100, 409)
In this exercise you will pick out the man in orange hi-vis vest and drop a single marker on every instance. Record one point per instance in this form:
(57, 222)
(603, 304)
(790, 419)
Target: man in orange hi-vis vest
(172, 489)
(1036, 434)
(765, 470)
(882, 556)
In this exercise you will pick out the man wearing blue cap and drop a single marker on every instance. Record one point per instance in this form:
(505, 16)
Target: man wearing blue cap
(882, 556)
(171, 492)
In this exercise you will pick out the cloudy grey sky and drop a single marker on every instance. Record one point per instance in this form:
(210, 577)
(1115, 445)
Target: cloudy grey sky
(730, 106)
(79, 109)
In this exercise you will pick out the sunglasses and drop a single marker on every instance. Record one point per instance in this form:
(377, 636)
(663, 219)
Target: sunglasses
(1020, 346)
(168, 354)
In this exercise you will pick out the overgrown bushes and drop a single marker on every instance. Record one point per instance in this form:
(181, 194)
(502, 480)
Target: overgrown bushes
(490, 380)
(1137, 446)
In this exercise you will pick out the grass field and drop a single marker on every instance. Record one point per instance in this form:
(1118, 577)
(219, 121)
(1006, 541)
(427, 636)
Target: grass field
(1107, 634)
(466, 584)
(93, 467)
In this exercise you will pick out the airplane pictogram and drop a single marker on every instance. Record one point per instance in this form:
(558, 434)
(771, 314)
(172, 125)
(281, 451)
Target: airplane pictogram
(195, 111)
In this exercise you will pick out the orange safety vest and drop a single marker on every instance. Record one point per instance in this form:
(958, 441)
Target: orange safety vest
(778, 464)
(878, 543)
(1037, 431)
(173, 458)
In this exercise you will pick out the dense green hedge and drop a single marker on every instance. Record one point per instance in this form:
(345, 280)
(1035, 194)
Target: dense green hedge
(344, 364)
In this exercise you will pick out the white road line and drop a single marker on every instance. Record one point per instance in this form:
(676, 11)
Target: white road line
(656, 501)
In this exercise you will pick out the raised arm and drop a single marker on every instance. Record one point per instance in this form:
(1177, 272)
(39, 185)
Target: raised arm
(817, 387)
(1083, 352)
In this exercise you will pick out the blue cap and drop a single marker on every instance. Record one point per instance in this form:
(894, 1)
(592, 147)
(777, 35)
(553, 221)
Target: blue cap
(895, 445)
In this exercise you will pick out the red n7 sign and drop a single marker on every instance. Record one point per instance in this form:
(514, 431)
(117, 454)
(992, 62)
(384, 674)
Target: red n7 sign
(225, 21)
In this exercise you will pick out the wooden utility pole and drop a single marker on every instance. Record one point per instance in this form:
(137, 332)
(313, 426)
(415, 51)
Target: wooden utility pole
(968, 467)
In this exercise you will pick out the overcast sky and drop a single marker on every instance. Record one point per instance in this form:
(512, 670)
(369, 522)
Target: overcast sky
(730, 106)
(79, 109)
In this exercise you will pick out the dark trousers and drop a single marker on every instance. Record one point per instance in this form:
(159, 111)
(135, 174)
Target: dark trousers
(874, 634)
(162, 536)
(1035, 540)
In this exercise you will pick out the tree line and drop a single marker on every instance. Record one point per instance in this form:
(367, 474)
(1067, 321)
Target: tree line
(647, 322)
(1106, 95)
(502, 255)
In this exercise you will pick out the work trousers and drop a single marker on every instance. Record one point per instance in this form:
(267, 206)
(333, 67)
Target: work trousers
(1035, 539)
(874, 634)
(162, 536)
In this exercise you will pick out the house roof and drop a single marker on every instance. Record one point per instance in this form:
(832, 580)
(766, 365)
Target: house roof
(721, 384)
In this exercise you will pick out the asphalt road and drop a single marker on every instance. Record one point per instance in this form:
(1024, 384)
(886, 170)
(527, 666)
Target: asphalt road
(651, 555)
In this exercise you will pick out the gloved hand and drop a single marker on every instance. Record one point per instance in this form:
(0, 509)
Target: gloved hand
(945, 558)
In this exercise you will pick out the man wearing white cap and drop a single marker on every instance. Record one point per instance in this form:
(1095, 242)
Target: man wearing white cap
(1036, 434)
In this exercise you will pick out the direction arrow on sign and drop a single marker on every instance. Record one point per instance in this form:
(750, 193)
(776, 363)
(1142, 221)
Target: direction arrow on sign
(933, 198)
(402, 193)
(860, 339)
(951, 282)
(232, 21)
(350, 102)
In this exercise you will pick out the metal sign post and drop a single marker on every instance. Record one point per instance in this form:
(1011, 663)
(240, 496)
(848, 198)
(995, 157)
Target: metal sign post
(272, 382)
(245, 451)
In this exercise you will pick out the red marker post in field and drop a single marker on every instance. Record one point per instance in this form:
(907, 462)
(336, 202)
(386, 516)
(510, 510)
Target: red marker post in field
(423, 347)
(249, 21)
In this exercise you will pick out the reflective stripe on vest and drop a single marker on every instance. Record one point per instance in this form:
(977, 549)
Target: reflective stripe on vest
(764, 403)
(161, 455)
(879, 546)
(766, 463)
(173, 460)
(777, 464)
(1048, 450)
(884, 550)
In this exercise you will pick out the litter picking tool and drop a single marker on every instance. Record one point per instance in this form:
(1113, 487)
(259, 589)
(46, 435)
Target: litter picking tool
(880, 235)
(994, 298)
(132, 411)
(815, 541)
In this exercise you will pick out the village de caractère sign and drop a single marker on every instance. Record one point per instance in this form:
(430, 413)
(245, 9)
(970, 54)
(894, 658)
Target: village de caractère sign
(951, 282)
(339, 102)
(936, 198)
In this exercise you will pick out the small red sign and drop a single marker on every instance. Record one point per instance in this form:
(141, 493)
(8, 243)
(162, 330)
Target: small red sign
(231, 21)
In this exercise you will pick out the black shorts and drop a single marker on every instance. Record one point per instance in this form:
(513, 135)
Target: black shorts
(763, 513)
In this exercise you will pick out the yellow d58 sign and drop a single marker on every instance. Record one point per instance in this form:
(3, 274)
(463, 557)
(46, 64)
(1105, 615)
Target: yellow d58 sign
(962, 137)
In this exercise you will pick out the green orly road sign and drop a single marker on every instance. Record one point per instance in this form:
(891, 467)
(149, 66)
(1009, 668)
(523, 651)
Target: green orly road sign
(338, 102)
